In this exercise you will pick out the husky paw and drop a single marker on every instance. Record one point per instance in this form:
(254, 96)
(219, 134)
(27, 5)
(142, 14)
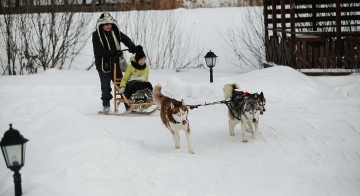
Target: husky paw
(254, 135)
(191, 152)
(177, 147)
(245, 140)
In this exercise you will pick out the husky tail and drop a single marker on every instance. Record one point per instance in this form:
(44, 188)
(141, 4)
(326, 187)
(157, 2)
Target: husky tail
(157, 96)
(228, 90)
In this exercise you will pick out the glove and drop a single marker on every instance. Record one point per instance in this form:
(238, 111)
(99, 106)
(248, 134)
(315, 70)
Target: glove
(132, 50)
(121, 90)
(119, 53)
(135, 49)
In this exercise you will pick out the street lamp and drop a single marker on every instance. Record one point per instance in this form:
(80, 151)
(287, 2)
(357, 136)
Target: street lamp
(210, 59)
(13, 149)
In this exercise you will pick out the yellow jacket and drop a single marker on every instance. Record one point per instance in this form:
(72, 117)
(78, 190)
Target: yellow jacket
(132, 73)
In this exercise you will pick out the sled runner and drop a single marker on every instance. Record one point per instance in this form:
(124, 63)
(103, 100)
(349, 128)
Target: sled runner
(134, 108)
(137, 104)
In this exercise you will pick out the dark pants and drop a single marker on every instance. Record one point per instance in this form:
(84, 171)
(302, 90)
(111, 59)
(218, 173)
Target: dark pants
(134, 86)
(106, 90)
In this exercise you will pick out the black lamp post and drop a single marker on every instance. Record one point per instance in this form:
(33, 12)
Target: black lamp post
(210, 59)
(13, 149)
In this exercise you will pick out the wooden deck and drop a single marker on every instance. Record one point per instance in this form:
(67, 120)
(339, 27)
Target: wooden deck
(308, 34)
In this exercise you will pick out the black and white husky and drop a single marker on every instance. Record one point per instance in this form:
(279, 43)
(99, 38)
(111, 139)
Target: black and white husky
(261, 102)
(245, 108)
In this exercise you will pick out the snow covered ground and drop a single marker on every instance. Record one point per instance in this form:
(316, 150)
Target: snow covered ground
(308, 144)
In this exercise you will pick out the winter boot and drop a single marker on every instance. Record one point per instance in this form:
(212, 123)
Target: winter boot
(137, 109)
(126, 106)
(142, 96)
(148, 95)
(106, 105)
(106, 109)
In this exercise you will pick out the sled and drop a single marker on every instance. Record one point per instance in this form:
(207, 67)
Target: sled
(121, 98)
(130, 110)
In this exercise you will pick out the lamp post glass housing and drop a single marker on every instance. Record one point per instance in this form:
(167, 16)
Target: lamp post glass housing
(13, 149)
(210, 59)
(14, 155)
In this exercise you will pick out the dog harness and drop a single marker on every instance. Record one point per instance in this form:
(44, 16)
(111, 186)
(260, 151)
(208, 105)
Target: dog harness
(236, 103)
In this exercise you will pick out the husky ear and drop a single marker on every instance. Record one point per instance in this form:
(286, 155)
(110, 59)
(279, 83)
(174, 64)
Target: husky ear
(183, 102)
(261, 94)
(171, 105)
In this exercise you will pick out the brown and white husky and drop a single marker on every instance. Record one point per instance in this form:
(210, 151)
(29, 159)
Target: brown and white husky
(174, 115)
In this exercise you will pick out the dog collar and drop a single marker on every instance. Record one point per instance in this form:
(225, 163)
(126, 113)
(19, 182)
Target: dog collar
(175, 122)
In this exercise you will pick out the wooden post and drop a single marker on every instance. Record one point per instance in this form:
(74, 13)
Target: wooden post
(275, 39)
(274, 17)
(292, 25)
(283, 25)
(266, 13)
(314, 11)
(93, 4)
(266, 25)
(338, 35)
(1, 8)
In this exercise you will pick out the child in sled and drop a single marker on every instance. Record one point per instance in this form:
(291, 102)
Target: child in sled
(135, 83)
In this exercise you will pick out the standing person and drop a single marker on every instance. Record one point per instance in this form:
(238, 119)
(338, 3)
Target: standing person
(106, 44)
(136, 79)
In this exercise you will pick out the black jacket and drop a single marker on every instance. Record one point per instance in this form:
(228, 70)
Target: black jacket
(107, 56)
(104, 43)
